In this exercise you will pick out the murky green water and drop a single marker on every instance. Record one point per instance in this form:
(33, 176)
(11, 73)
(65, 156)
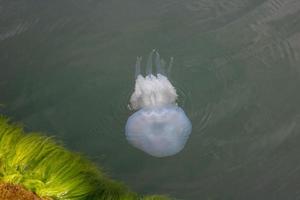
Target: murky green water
(66, 68)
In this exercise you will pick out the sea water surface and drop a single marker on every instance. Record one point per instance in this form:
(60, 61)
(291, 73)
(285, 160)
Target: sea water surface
(67, 69)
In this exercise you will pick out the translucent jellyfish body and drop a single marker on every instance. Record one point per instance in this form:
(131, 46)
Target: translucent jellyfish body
(159, 127)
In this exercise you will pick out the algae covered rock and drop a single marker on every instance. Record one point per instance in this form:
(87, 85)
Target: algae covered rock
(35, 165)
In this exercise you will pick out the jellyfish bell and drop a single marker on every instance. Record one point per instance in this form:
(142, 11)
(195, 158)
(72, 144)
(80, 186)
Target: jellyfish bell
(159, 131)
(159, 127)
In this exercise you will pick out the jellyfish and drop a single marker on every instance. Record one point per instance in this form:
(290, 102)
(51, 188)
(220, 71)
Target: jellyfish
(159, 126)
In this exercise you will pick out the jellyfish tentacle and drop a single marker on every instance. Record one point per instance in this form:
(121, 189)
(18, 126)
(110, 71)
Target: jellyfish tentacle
(170, 65)
(138, 66)
(160, 65)
(163, 67)
(149, 63)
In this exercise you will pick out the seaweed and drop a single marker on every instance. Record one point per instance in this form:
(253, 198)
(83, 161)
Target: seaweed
(46, 168)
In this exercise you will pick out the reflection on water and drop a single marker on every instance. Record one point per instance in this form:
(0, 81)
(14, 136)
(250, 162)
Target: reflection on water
(66, 68)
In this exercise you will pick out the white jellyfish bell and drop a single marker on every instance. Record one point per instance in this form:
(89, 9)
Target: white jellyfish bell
(159, 127)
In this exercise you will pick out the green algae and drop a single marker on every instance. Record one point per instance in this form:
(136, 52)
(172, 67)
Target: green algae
(42, 166)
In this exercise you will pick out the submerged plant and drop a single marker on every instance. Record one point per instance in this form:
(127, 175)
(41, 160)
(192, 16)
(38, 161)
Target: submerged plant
(38, 164)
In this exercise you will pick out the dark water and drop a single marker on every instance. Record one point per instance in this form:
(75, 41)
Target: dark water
(66, 68)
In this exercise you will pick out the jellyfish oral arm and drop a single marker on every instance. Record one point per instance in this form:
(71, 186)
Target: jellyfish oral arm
(152, 91)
